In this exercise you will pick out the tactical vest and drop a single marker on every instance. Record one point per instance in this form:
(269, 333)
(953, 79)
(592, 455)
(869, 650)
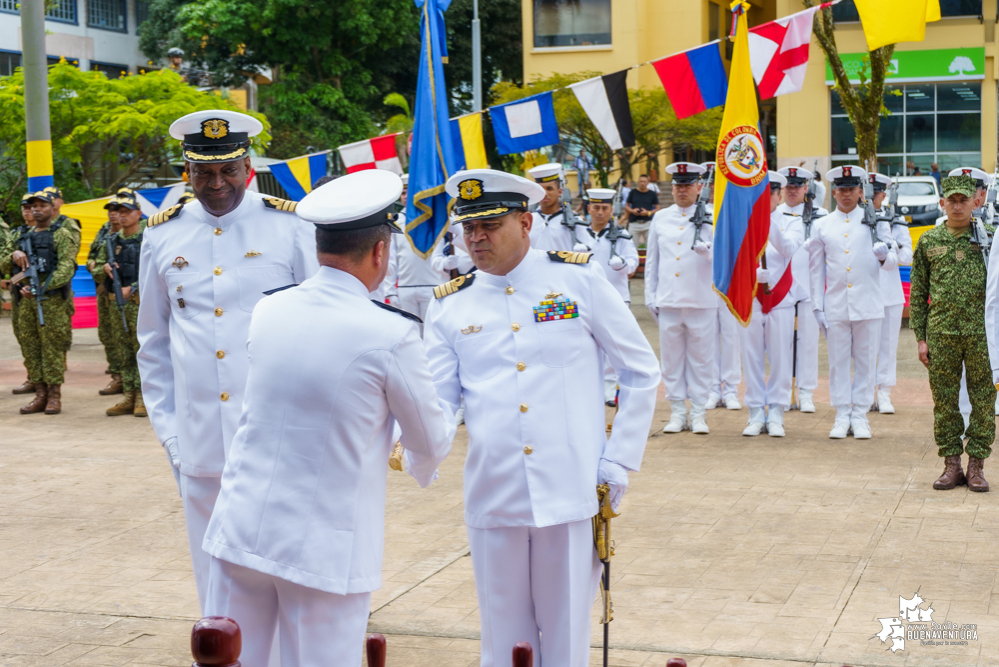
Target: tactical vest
(126, 254)
(46, 259)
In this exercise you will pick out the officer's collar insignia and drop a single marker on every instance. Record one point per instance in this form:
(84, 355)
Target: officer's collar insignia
(254, 253)
(180, 263)
(555, 307)
(470, 189)
(568, 257)
(452, 286)
(215, 128)
(470, 329)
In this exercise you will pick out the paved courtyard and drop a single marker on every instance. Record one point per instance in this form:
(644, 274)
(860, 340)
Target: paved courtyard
(731, 551)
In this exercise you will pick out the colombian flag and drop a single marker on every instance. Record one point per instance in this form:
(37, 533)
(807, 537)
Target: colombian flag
(742, 190)
(298, 175)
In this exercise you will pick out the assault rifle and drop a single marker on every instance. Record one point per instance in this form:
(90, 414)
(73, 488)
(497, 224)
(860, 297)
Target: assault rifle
(701, 215)
(36, 266)
(569, 218)
(808, 213)
(116, 280)
(449, 250)
(870, 215)
(979, 233)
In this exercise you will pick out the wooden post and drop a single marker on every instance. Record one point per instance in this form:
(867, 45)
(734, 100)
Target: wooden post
(216, 642)
(523, 655)
(376, 650)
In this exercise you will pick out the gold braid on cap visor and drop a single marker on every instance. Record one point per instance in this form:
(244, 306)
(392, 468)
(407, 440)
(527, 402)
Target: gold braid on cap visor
(228, 156)
(482, 214)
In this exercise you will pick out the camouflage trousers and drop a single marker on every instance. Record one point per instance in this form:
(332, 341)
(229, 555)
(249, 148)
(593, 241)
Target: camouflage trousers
(106, 313)
(15, 307)
(948, 353)
(44, 347)
(127, 344)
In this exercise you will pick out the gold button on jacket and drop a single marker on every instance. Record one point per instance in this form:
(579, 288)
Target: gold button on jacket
(521, 365)
(218, 231)
(528, 449)
(523, 407)
(510, 290)
(218, 312)
(224, 396)
(220, 354)
(218, 270)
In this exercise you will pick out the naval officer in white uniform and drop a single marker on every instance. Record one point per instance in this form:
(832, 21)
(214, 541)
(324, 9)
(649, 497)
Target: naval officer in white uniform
(204, 266)
(845, 263)
(522, 339)
(297, 534)
(550, 230)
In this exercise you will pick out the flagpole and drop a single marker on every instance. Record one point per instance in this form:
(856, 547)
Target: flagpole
(476, 58)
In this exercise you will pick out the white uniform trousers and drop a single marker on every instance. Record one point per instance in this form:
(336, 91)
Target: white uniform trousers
(888, 347)
(416, 300)
(199, 495)
(729, 370)
(857, 341)
(688, 348)
(316, 628)
(535, 585)
(807, 366)
(773, 335)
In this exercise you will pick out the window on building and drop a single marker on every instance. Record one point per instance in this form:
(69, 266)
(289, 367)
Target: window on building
(9, 6)
(9, 61)
(106, 14)
(929, 123)
(847, 11)
(63, 11)
(141, 13)
(572, 22)
(112, 70)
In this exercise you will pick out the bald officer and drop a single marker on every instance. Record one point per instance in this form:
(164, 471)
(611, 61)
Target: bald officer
(521, 339)
(297, 533)
(555, 226)
(203, 267)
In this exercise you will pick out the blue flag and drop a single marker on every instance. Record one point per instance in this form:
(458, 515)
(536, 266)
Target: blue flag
(525, 124)
(432, 156)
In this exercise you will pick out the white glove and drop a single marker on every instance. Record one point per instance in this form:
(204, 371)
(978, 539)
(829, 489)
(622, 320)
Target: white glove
(703, 249)
(881, 251)
(654, 311)
(173, 458)
(820, 317)
(762, 275)
(451, 262)
(616, 262)
(392, 300)
(616, 477)
(581, 247)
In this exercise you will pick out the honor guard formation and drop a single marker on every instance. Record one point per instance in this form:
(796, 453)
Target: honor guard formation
(517, 324)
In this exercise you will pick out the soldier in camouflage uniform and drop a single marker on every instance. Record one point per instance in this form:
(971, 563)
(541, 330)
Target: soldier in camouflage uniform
(126, 243)
(44, 347)
(947, 314)
(104, 313)
(73, 226)
(28, 220)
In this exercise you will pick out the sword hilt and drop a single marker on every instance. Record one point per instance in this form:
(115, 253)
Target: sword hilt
(395, 461)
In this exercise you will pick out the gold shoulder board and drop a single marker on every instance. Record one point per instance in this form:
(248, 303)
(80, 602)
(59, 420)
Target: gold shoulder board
(280, 204)
(163, 216)
(567, 257)
(452, 286)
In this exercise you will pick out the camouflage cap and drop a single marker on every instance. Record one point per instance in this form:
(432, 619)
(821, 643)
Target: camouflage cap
(964, 185)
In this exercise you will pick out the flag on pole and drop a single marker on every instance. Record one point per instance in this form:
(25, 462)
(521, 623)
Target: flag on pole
(154, 200)
(469, 148)
(742, 189)
(525, 125)
(298, 175)
(893, 21)
(432, 155)
(605, 101)
(694, 80)
(377, 153)
(778, 52)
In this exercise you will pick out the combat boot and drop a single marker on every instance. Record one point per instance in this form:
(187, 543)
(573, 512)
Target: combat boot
(976, 476)
(27, 388)
(140, 407)
(126, 406)
(37, 404)
(115, 386)
(953, 475)
(53, 405)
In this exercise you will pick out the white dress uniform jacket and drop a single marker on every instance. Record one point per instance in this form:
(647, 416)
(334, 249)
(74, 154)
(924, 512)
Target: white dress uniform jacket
(675, 275)
(548, 232)
(438, 258)
(534, 390)
(410, 277)
(200, 277)
(786, 237)
(303, 494)
(801, 290)
(624, 247)
(891, 281)
(845, 278)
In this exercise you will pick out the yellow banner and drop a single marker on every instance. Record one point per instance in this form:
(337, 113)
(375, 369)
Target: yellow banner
(92, 216)
(893, 21)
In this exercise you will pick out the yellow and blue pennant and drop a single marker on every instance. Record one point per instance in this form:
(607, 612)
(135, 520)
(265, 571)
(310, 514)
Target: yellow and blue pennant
(298, 175)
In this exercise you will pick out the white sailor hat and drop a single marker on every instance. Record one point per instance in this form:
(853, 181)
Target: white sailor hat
(546, 173)
(708, 168)
(215, 135)
(879, 181)
(982, 179)
(488, 193)
(405, 179)
(600, 195)
(685, 172)
(355, 201)
(847, 176)
(776, 178)
(795, 175)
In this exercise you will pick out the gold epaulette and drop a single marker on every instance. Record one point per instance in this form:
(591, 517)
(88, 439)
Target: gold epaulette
(568, 257)
(163, 216)
(280, 204)
(452, 286)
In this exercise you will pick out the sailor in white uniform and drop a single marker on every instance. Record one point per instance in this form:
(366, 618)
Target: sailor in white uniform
(413, 277)
(806, 354)
(556, 227)
(449, 258)
(522, 339)
(204, 266)
(770, 333)
(679, 295)
(893, 296)
(846, 260)
(297, 534)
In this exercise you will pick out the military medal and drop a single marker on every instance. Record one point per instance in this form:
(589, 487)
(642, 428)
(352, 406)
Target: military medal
(180, 263)
(555, 307)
